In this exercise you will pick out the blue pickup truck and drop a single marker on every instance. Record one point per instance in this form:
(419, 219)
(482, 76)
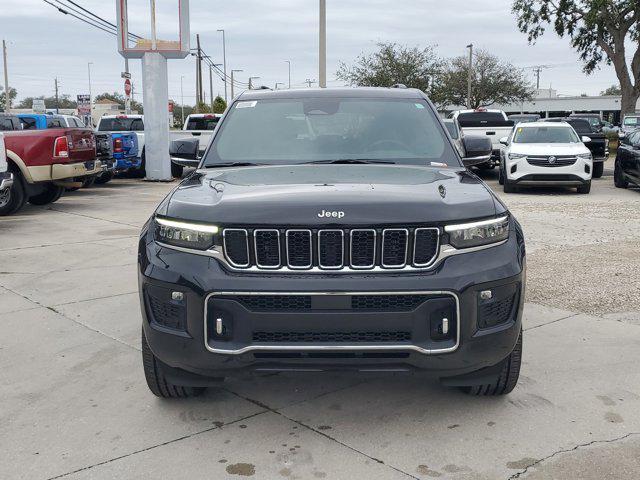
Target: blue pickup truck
(124, 147)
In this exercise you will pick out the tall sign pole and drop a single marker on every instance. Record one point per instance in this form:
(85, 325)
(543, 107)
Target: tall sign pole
(323, 45)
(154, 53)
(470, 75)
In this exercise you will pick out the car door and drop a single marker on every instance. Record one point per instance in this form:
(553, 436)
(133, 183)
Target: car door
(631, 165)
(625, 152)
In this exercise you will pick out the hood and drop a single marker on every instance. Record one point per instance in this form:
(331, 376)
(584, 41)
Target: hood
(298, 194)
(548, 148)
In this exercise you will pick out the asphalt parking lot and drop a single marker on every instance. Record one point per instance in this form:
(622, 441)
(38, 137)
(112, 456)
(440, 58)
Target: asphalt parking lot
(73, 402)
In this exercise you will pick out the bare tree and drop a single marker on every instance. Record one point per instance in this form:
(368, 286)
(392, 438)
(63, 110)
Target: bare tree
(493, 81)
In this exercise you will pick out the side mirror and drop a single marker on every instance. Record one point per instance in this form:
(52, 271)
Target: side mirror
(185, 152)
(504, 140)
(586, 139)
(477, 150)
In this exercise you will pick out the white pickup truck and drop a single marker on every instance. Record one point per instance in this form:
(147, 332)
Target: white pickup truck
(493, 123)
(199, 125)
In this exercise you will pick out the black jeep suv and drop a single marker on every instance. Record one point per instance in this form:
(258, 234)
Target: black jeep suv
(331, 229)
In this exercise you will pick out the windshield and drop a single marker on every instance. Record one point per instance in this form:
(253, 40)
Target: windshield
(120, 125)
(631, 121)
(593, 121)
(545, 135)
(303, 130)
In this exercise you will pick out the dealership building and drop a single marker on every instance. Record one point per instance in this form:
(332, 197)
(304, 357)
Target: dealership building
(548, 103)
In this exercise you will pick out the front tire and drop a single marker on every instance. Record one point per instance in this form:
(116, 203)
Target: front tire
(508, 378)
(598, 169)
(88, 181)
(500, 176)
(584, 189)
(618, 177)
(509, 187)
(156, 380)
(13, 198)
(50, 194)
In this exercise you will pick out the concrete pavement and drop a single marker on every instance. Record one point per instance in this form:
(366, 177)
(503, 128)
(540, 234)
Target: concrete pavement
(73, 402)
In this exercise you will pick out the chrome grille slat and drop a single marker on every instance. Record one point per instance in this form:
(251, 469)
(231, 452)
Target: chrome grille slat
(265, 249)
(327, 249)
(339, 249)
(543, 160)
(394, 240)
(295, 243)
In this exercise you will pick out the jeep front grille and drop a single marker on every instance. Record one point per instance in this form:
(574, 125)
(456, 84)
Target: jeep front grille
(331, 249)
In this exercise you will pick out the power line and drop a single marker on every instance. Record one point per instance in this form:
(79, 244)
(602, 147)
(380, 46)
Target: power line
(97, 16)
(105, 27)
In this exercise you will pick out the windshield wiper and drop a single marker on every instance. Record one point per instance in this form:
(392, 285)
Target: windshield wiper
(349, 161)
(233, 164)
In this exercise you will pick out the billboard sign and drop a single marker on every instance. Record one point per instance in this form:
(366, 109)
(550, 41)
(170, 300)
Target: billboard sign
(84, 105)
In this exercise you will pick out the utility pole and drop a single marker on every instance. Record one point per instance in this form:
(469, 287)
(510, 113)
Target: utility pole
(57, 103)
(289, 62)
(232, 71)
(323, 44)
(224, 61)
(251, 79)
(470, 76)
(537, 71)
(182, 98)
(308, 81)
(199, 74)
(211, 87)
(7, 99)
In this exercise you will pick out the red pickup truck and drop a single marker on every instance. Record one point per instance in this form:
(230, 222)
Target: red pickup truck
(45, 162)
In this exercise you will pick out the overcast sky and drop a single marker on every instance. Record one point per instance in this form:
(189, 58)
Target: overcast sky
(261, 35)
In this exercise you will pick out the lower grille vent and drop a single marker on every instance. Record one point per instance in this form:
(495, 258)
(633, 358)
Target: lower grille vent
(332, 337)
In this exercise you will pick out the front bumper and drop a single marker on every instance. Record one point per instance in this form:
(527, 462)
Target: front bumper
(284, 338)
(521, 172)
(6, 180)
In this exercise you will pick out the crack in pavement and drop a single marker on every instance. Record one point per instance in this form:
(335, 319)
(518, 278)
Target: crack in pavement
(552, 322)
(66, 317)
(328, 437)
(94, 218)
(162, 444)
(95, 298)
(45, 245)
(568, 450)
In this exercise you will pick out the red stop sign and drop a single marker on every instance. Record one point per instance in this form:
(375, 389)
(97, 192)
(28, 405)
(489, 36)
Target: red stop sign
(127, 87)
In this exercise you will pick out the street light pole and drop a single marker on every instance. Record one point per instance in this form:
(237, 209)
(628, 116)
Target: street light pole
(224, 61)
(182, 98)
(251, 79)
(289, 62)
(89, 70)
(232, 93)
(323, 45)
(470, 76)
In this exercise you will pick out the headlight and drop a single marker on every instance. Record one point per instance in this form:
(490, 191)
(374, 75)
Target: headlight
(585, 156)
(185, 234)
(515, 156)
(478, 233)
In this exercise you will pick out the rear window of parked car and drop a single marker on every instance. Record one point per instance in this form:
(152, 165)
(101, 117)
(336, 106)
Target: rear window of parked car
(121, 125)
(55, 123)
(481, 119)
(202, 123)
(9, 123)
(28, 123)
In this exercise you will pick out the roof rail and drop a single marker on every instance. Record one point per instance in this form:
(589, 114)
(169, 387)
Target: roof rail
(398, 85)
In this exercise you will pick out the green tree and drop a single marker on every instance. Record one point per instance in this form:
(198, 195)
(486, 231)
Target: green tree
(612, 90)
(12, 96)
(118, 98)
(64, 101)
(391, 64)
(219, 105)
(492, 81)
(599, 30)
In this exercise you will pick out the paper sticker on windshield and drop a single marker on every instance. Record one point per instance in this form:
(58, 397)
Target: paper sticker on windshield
(419, 105)
(246, 104)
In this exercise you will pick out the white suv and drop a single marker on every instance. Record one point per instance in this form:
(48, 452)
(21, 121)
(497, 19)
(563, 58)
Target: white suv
(543, 153)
